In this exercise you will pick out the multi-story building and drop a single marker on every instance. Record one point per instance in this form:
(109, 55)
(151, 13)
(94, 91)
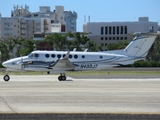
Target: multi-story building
(159, 28)
(24, 23)
(0, 25)
(70, 20)
(24, 27)
(112, 32)
(66, 20)
(9, 27)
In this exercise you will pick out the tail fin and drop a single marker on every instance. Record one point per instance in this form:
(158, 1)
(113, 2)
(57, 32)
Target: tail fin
(140, 46)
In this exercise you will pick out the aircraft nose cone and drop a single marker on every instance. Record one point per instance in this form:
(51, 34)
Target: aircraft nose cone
(4, 64)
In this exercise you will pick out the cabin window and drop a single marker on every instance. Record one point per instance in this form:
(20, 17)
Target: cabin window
(70, 56)
(101, 57)
(83, 56)
(53, 55)
(64, 55)
(47, 55)
(36, 55)
(75, 56)
(59, 56)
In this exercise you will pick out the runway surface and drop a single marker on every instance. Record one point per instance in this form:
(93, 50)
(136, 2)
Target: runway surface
(36, 94)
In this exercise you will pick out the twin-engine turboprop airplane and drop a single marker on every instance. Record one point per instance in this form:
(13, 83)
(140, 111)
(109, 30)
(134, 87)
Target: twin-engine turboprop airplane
(62, 61)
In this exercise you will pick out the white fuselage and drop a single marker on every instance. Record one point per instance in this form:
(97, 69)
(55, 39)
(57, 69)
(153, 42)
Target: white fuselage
(81, 60)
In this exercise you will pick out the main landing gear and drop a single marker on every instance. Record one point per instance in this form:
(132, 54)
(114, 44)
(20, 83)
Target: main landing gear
(62, 77)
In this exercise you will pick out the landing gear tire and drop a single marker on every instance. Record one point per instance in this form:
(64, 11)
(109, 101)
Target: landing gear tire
(6, 78)
(62, 78)
(59, 78)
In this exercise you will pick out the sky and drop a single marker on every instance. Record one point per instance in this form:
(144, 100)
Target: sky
(98, 10)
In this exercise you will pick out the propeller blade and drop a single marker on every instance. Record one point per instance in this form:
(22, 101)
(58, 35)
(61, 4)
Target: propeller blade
(22, 65)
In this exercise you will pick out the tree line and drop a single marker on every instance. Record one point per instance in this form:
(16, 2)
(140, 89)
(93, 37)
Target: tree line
(15, 47)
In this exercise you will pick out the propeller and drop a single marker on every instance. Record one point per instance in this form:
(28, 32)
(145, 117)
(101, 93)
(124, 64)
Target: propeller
(22, 65)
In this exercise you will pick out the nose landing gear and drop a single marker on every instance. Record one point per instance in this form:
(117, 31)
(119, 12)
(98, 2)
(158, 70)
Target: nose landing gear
(6, 78)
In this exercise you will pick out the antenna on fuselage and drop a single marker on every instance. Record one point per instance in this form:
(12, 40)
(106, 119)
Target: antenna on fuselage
(74, 49)
(54, 47)
(22, 65)
(85, 50)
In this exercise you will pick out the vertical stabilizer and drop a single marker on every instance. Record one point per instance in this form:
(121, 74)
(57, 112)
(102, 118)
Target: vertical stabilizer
(140, 46)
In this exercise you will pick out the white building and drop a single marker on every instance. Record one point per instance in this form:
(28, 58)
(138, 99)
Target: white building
(24, 23)
(112, 32)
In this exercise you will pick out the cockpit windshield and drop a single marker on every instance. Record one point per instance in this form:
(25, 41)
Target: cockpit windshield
(30, 55)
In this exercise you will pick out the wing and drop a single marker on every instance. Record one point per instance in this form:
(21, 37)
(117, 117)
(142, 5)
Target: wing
(63, 64)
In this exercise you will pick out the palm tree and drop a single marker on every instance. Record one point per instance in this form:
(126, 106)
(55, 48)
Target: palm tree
(57, 40)
(4, 50)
